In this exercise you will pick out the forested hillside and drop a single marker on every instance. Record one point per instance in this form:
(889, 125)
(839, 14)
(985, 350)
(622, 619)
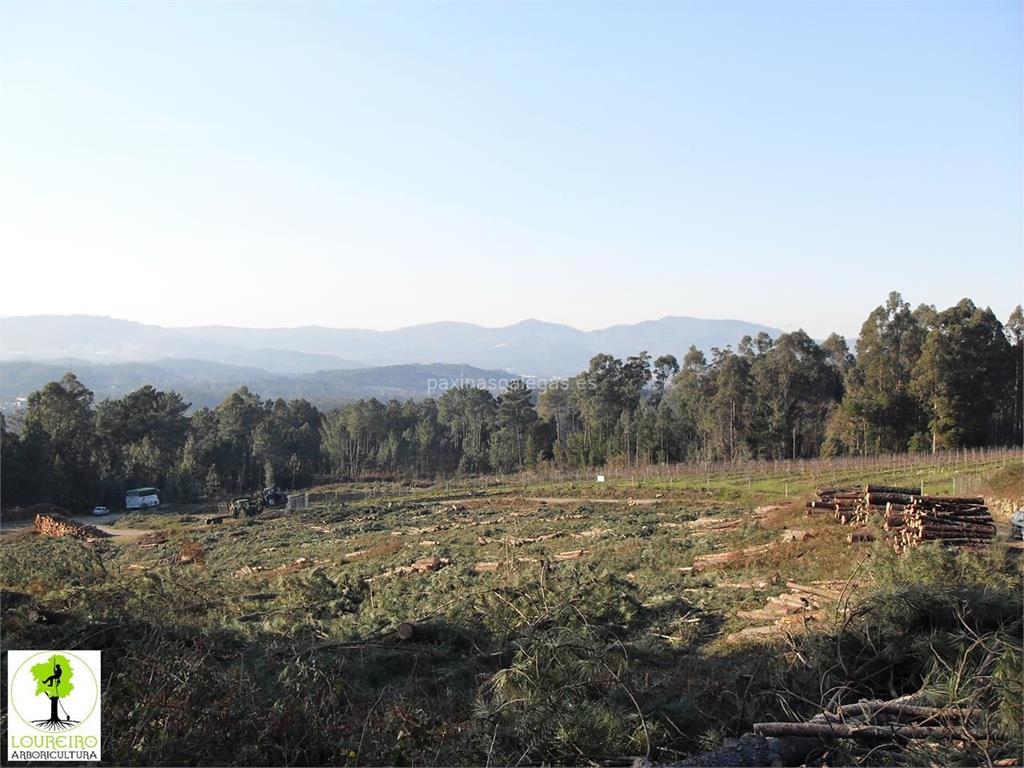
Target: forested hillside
(918, 380)
(205, 384)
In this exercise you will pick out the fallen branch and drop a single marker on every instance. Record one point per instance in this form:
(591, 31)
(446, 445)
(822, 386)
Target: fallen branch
(842, 731)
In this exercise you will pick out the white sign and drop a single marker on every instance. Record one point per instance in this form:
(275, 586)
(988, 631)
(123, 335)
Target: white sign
(600, 478)
(53, 706)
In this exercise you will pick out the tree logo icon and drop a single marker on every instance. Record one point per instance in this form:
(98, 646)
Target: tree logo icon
(53, 680)
(53, 705)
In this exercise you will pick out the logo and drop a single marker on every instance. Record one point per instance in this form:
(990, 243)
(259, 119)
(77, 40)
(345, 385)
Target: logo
(53, 705)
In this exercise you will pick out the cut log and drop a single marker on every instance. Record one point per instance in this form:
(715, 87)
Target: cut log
(835, 490)
(704, 561)
(572, 554)
(876, 708)
(423, 565)
(881, 499)
(893, 489)
(795, 601)
(986, 531)
(842, 731)
(405, 631)
(972, 500)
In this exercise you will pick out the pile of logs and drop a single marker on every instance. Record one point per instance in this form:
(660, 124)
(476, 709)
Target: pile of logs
(853, 506)
(56, 525)
(908, 517)
(842, 502)
(954, 521)
(793, 610)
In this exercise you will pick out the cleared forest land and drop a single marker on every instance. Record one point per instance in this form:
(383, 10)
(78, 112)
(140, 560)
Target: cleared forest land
(531, 619)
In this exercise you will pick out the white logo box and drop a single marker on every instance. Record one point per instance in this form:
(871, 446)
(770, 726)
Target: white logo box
(53, 705)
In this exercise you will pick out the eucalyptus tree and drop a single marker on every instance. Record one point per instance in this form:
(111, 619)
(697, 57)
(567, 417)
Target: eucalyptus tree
(880, 395)
(963, 377)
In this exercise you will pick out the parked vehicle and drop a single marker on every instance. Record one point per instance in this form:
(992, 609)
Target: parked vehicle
(141, 498)
(244, 507)
(100, 511)
(1017, 525)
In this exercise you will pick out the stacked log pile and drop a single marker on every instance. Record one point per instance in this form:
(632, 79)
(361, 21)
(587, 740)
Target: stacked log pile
(952, 521)
(56, 525)
(841, 501)
(853, 506)
(908, 517)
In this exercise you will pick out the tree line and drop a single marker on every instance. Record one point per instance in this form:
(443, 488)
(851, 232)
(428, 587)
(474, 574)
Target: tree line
(917, 380)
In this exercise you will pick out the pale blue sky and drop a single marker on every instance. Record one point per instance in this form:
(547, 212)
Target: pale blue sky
(379, 165)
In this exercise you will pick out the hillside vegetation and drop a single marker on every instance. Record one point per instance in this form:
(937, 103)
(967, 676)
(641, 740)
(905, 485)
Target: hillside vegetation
(554, 621)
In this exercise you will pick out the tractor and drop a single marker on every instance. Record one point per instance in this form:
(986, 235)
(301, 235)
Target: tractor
(244, 507)
(247, 506)
(273, 497)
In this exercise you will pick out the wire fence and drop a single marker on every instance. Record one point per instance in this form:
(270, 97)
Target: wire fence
(963, 469)
(838, 466)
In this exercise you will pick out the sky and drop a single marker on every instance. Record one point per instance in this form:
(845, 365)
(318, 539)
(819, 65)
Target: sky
(377, 165)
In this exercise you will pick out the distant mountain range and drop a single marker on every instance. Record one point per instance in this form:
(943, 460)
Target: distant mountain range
(531, 347)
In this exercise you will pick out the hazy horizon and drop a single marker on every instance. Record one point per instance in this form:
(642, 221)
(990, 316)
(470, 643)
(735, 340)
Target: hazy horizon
(453, 321)
(848, 333)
